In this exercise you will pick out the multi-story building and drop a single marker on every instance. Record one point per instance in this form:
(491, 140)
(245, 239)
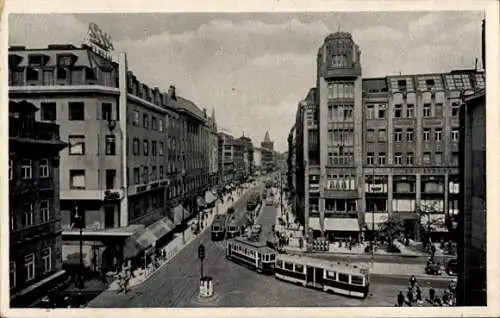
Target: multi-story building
(472, 205)
(388, 145)
(267, 151)
(35, 220)
(248, 155)
(290, 164)
(239, 151)
(213, 158)
(136, 155)
(226, 158)
(257, 158)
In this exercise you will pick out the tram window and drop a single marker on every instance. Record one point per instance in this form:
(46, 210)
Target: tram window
(289, 266)
(330, 275)
(299, 268)
(356, 280)
(273, 257)
(343, 278)
(279, 264)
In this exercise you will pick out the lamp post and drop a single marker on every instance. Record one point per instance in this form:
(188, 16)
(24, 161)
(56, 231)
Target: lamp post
(79, 222)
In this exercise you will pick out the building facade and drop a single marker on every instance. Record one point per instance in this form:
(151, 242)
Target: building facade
(136, 155)
(248, 156)
(213, 158)
(226, 158)
(374, 147)
(257, 158)
(267, 151)
(35, 220)
(239, 151)
(472, 206)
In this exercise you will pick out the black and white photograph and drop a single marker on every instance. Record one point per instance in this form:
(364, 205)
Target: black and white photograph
(249, 159)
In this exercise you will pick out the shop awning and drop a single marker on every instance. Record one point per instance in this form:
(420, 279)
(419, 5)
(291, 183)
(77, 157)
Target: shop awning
(210, 197)
(138, 242)
(377, 219)
(200, 202)
(161, 227)
(331, 224)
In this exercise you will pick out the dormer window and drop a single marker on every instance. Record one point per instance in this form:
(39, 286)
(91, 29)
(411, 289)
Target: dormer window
(62, 73)
(430, 84)
(65, 60)
(402, 85)
(35, 60)
(90, 74)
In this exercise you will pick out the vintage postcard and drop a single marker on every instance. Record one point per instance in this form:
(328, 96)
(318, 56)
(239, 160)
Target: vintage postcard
(297, 161)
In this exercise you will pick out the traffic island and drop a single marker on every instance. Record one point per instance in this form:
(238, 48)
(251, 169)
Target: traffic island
(206, 294)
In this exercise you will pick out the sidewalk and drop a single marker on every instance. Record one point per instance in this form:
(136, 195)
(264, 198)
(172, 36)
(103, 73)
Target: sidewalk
(177, 244)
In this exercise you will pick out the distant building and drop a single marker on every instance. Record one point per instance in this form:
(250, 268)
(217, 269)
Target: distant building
(249, 155)
(267, 150)
(257, 158)
(35, 249)
(226, 158)
(367, 148)
(213, 170)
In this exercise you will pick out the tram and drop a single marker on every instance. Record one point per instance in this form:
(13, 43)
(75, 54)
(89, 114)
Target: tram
(218, 227)
(254, 255)
(232, 229)
(336, 277)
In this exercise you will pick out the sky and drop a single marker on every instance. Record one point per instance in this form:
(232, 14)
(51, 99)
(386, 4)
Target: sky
(254, 68)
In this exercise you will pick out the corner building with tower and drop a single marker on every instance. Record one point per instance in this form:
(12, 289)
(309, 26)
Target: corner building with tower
(366, 148)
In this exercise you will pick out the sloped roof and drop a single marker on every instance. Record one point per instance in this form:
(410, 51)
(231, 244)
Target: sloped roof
(183, 104)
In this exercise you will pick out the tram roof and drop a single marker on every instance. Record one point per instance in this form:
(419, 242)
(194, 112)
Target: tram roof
(316, 262)
(258, 244)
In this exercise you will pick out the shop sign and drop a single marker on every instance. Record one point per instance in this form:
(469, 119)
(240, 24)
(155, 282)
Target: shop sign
(98, 41)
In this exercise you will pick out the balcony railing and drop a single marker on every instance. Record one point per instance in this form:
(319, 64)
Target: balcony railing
(35, 231)
(22, 128)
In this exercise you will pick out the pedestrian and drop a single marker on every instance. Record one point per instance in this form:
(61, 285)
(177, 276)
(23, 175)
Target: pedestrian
(432, 295)
(409, 295)
(401, 299)
(413, 281)
(419, 295)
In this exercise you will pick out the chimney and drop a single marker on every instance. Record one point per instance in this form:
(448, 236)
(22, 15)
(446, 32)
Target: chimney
(205, 112)
(171, 92)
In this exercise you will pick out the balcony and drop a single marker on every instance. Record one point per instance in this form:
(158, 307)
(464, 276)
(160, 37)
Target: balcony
(35, 232)
(23, 128)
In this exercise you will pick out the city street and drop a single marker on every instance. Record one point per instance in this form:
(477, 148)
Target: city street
(177, 283)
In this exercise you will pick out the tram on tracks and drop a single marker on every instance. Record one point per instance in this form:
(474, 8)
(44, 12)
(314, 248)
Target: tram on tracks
(218, 229)
(232, 229)
(336, 277)
(254, 255)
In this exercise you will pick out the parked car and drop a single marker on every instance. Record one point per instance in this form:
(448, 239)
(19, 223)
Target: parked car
(451, 267)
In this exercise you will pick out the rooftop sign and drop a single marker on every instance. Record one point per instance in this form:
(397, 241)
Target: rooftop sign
(99, 41)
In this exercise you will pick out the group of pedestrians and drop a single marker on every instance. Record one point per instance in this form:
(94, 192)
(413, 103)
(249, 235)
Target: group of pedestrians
(414, 296)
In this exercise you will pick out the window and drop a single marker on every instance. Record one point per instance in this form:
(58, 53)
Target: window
(145, 175)
(29, 265)
(381, 135)
(427, 134)
(11, 163)
(106, 111)
(76, 111)
(427, 110)
(357, 280)
(161, 172)
(410, 110)
(77, 179)
(344, 278)
(398, 111)
(153, 149)
(398, 133)
(76, 145)
(402, 85)
(48, 111)
(135, 118)
(409, 134)
(455, 108)
(45, 210)
(426, 158)
(454, 158)
(397, 158)
(160, 148)
(154, 123)
(47, 260)
(154, 175)
(370, 135)
(26, 170)
(438, 158)
(137, 176)
(110, 145)
(369, 112)
(381, 158)
(135, 147)
(438, 134)
(160, 125)
(299, 268)
(44, 168)
(145, 121)
(438, 110)
(28, 214)
(145, 145)
(409, 158)
(381, 111)
(12, 274)
(455, 135)
(289, 266)
(369, 158)
(110, 178)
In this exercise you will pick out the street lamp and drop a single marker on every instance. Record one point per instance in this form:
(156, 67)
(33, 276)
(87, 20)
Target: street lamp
(79, 222)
